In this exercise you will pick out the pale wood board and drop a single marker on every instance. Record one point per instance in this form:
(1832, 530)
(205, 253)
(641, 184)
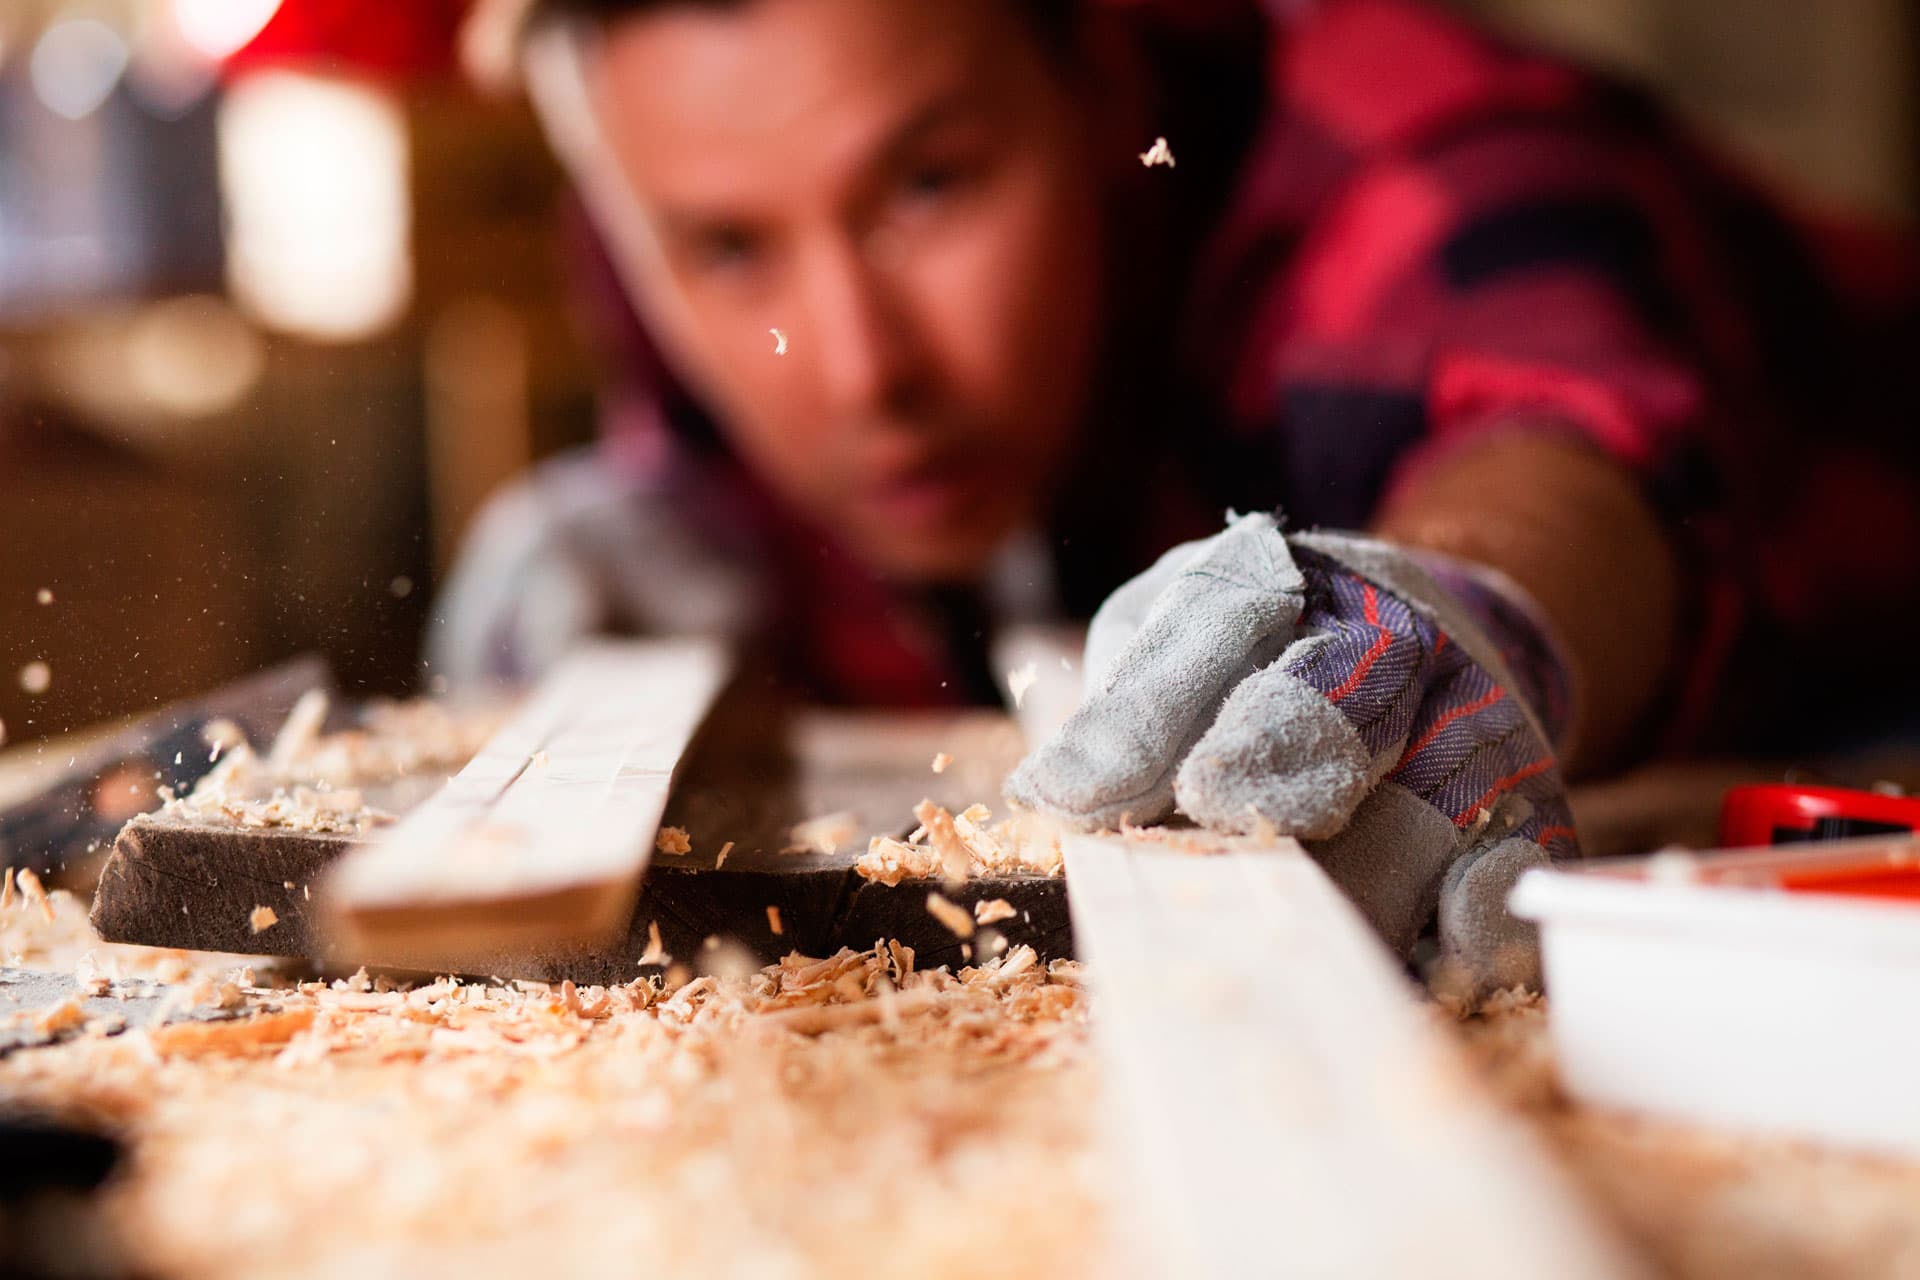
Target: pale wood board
(543, 838)
(1288, 1105)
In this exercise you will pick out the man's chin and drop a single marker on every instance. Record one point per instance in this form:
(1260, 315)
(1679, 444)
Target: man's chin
(956, 556)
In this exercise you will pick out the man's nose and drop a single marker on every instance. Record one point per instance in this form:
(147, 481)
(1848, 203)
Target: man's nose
(861, 334)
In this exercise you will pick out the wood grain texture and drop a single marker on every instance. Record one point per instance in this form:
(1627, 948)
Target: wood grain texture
(170, 883)
(542, 839)
(1286, 1103)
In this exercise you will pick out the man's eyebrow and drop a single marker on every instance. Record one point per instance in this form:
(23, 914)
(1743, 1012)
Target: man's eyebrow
(929, 117)
(686, 224)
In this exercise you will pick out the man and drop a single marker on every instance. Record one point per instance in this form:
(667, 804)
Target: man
(927, 335)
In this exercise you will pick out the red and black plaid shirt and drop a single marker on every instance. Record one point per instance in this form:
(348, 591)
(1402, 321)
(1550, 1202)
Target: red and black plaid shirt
(1389, 234)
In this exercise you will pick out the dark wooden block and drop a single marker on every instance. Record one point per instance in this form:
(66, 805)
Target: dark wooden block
(186, 884)
(899, 912)
(750, 778)
(195, 885)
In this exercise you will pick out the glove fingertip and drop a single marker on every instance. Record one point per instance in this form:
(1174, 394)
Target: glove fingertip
(1277, 749)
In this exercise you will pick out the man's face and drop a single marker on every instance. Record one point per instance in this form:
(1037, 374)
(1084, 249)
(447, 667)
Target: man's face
(904, 190)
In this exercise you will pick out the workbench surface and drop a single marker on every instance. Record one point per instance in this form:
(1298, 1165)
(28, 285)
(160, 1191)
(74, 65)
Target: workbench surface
(784, 1122)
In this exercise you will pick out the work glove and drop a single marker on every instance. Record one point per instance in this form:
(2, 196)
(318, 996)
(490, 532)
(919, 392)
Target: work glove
(579, 547)
(1395, 710)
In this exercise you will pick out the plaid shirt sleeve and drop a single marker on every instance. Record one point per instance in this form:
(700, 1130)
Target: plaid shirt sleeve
(1480, 244)
(1439, 237)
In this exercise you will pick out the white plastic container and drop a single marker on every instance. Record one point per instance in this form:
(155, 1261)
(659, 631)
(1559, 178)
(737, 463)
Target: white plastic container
(1700, 988)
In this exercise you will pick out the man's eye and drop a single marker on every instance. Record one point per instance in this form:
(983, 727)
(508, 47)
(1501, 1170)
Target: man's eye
(928, 182)
(724, 248)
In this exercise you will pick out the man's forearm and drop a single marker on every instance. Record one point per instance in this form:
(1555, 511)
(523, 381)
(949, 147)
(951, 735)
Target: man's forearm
(1573, 530)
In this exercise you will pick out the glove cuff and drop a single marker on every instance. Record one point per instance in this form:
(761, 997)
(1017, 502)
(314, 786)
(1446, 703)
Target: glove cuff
(1518, 628)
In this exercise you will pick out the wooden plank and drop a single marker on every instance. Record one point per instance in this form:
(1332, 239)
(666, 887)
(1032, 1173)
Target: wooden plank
(1287, 1105)
(541, 841)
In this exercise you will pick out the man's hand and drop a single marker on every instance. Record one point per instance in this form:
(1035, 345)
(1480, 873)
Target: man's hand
(1394, 710)
(574, 549)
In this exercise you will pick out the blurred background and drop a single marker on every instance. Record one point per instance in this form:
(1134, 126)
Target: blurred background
(283, 298)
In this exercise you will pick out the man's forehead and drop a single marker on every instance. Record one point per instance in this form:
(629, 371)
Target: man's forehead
(704, 102)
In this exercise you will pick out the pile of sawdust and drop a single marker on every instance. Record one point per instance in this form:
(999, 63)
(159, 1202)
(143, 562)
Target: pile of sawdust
(44, 929)
(959, 846)
(317, 782)
(819, 1117)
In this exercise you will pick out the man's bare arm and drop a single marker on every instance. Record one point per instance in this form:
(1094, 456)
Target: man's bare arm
(1572, 528)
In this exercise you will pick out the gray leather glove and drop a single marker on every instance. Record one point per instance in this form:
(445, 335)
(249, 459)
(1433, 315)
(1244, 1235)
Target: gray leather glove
(577, 548)
(1396, 711)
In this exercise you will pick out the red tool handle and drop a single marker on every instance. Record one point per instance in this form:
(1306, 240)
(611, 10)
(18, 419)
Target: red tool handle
(1786, 814)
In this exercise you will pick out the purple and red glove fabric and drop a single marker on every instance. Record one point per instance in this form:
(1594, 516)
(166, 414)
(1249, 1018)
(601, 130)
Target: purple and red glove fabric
(1396, 710)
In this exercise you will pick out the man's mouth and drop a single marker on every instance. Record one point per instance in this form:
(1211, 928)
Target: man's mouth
(922, 498)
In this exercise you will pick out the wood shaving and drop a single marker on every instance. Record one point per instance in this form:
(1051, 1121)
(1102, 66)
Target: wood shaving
(1158, 153)
(89, 978)
(951, 914)
(970, 824)
(655, 954)
(261, 919)
(720, 859)
(35, 893)
(1021, 679)
(299, 732)
(317, 782)
(68, 1015)
(888, 861)
(827, 834)
(300, 808)
(228, 1038)
(773, 919)
(956, 859)
(813, 1020)
(993, 910)
(222, 735)
(673, 840)
(963, 845)
(941, 761)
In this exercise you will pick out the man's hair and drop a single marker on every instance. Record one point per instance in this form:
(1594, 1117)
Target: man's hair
(1052, 21)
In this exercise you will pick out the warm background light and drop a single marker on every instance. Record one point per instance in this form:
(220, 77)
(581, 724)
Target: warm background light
(75, 65)
(221, 28)
(313, 172)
